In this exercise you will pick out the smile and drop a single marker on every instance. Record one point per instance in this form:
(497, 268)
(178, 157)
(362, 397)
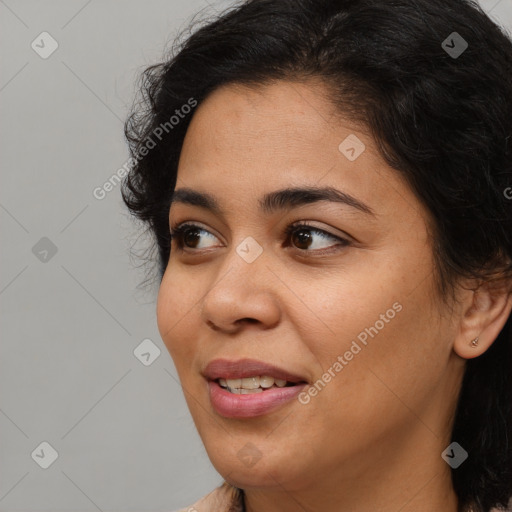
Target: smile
(251, 385)
(249, 403)
(248, 388)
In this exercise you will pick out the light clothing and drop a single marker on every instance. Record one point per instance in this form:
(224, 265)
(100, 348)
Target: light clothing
(222, 499)
(226, 499)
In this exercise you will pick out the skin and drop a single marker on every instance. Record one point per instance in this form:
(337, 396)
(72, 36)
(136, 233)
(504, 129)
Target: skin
(372, 438)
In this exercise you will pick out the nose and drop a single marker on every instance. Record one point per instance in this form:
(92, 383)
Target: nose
(243, 293)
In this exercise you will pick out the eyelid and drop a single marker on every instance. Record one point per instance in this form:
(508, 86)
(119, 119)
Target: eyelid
(343, 240)
(178, 227)
(307, 224)
(293, 225)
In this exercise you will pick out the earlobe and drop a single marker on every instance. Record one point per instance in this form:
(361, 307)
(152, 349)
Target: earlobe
(472, 348)
(481, 322)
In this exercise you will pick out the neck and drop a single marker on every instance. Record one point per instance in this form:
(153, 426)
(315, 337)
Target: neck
(434, 496)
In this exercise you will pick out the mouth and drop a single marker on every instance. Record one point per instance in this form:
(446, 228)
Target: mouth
(249, 374)
(248, 388)
(256, 384)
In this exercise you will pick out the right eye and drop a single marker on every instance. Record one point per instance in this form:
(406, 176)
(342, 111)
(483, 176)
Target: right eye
(188, 235)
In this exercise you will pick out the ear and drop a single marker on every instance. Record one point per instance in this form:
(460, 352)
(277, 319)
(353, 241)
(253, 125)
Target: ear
(485, 311)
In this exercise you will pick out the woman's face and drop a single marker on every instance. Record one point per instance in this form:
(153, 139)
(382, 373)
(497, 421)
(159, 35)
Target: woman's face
(346, 304)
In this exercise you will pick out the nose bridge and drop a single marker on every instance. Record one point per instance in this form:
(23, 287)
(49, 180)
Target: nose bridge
(243, 267)
(246, 248)
(241, 291)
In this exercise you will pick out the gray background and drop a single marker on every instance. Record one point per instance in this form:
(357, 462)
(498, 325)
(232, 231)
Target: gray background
(72, 320)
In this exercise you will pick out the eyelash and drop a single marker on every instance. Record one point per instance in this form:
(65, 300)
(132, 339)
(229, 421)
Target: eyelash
(177, 233)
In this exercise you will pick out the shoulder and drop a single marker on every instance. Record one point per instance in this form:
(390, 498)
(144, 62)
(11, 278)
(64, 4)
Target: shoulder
(221, 499)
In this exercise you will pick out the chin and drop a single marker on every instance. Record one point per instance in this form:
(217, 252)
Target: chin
(248, 469)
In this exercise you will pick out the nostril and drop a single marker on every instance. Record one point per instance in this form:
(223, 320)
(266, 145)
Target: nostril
(248, 320)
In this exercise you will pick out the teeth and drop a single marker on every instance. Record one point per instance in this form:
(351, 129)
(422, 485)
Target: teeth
(233, 383)
(250, 383)
(254, 384)
(242, 391)
(266, 382)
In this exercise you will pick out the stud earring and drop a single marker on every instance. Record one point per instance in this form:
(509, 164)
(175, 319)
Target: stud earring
(474, 342)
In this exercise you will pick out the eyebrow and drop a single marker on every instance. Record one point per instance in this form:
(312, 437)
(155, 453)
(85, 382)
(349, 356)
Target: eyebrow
(279, 200)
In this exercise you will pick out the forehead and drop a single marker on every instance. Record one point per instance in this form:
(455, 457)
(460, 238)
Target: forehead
(260, 123)
(246, 141)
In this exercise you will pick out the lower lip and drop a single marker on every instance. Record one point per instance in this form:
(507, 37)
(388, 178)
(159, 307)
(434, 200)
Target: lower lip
(231, 405)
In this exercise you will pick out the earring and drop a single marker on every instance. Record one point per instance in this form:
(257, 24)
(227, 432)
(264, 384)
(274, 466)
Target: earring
(474, 342)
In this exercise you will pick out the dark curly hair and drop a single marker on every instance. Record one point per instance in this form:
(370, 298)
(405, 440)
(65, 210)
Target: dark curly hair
(441, 114)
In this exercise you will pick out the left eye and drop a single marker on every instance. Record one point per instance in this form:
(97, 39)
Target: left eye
(303, 237)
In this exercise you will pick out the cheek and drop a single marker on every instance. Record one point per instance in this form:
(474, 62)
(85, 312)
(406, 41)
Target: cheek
(176, 303)
(383, 320)
(391, 354)
(333, 311)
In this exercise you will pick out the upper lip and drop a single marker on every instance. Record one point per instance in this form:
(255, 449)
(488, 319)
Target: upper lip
(238, 369)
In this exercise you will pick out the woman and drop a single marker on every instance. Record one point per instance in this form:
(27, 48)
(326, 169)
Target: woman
(329, 187)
